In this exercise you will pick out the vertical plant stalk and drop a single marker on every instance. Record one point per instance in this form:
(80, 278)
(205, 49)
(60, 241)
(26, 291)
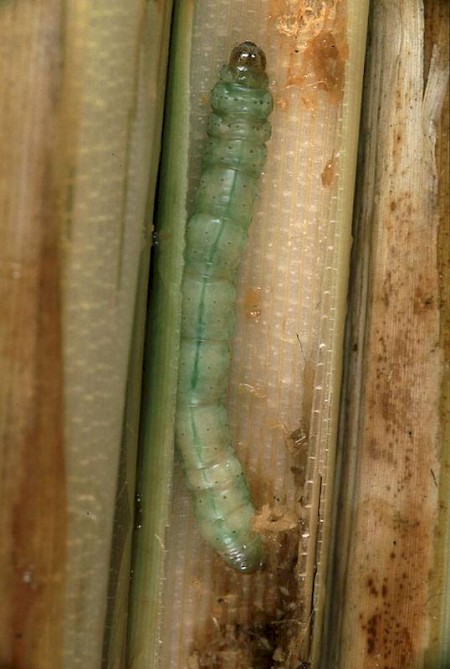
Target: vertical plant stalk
(155, 467)
(296, 265)
(144, 154)
(103, 236)
(388, 508)
(33, 510)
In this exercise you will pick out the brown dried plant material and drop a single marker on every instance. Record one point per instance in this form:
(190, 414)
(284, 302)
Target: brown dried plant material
(317, 63)
(392, 443)
(33, 489)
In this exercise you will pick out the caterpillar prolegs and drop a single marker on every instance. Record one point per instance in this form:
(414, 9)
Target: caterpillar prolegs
(215, 239)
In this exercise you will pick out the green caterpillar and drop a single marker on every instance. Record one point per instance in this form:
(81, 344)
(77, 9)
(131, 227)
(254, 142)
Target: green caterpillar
(215, 239)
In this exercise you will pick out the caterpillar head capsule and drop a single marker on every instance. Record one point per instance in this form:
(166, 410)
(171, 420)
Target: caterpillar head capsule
(247, 66)
(248, 55)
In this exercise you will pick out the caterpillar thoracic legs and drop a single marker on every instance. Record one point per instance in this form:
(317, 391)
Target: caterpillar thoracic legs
(215, 238)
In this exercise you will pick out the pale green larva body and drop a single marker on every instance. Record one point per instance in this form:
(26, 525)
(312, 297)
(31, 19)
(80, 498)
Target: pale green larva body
(215, 238)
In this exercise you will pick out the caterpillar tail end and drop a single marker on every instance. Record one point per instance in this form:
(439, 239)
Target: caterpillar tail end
(249, 558)
(231, 532)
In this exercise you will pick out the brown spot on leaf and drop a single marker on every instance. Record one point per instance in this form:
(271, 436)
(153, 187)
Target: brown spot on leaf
(329, 172)
(322, 68)
(253, 303)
